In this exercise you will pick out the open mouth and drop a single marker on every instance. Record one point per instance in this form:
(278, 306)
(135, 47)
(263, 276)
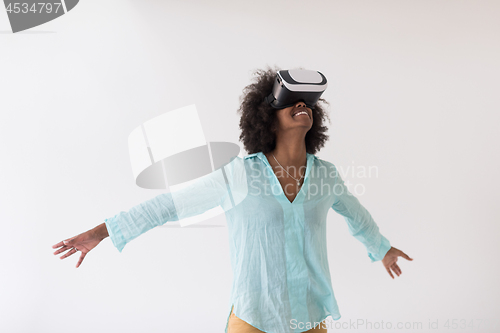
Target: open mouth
(301, 113)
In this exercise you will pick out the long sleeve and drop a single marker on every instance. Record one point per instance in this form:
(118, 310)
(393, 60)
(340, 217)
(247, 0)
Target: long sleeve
(202, 194)
(360, 222)
(127, 225)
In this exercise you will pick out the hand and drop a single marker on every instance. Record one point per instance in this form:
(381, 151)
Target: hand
(83, 242)
(390, 259)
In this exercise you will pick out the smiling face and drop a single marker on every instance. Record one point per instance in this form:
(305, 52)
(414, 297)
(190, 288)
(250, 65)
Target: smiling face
(296, 117)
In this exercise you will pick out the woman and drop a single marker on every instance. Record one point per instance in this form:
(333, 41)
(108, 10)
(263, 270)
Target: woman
(281, 278)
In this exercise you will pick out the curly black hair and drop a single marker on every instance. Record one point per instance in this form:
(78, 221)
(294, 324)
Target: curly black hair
(258, 119)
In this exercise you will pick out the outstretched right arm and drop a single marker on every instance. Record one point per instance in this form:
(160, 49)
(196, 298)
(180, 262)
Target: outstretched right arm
(203, 194)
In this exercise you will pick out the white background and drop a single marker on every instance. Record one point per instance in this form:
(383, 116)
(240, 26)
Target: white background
(413, 87)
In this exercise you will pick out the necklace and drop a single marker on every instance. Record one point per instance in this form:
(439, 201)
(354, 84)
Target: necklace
(297, 180)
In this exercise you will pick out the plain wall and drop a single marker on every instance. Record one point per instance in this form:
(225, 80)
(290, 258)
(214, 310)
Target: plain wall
(413, 90)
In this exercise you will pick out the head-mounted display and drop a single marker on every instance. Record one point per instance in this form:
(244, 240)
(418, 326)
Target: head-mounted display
(296, 85)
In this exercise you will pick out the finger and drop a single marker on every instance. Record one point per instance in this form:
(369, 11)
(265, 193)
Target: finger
(392, 268)
(399, 268)
(70, 252)
(68, 241)
(62, 249)
(404, 255)
(58, 244)
(396, 269)
(389, 271)
(81, 259)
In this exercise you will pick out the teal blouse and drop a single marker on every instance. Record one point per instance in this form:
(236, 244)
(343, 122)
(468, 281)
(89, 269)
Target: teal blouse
(278, 250)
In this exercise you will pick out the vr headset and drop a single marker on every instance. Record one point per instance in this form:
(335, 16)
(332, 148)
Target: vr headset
(296, 85)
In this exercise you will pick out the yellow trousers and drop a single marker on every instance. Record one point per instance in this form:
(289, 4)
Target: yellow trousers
(236, 325)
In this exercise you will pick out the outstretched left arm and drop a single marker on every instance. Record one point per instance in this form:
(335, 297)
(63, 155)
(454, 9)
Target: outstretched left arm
(363, 227)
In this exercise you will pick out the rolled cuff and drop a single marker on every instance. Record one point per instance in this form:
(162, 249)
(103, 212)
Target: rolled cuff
(115, 233)
(384, 247)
